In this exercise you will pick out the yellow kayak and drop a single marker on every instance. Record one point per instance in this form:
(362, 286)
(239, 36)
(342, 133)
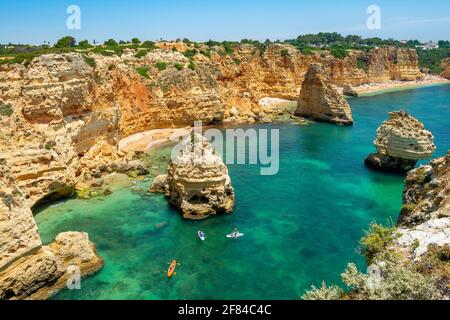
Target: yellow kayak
(172, 268)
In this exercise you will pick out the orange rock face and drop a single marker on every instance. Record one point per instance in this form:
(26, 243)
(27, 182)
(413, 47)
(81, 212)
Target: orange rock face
(446, 68)
(321, 100)
(62, 106)
(393, 64)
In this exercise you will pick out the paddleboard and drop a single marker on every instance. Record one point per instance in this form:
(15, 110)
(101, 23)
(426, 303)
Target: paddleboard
(235, 235)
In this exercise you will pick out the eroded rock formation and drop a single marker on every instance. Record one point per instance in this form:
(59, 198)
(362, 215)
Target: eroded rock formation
(59, 130)
(427, 193)
(29, 270)
(445, 65)
(62, 116)
(393, 64)
(424, 223)
(321, 100)
(197, 182)
(401, 141)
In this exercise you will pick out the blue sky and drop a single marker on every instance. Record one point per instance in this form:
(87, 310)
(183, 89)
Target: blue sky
(34, 21)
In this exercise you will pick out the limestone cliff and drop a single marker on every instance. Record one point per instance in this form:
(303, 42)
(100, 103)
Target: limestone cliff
(393, 64)
(320, 100)
(197, 182)
(62, 115)
(445, 65)
(29, 270)
(410, 261)
(401, 141)
(57, 116)
(424, 223)
(427, 193)
(109, 97)
(19, 235)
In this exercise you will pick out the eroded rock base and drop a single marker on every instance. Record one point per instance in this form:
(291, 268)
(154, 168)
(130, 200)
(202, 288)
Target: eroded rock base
(389, 164)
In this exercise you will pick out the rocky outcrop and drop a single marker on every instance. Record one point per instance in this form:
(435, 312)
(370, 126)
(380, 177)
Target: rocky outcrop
(18, 232)
(391, 63)
(401, 141)
(321, 100)
(197, 182)
(29, 270)
(427, 193)
(160, 185)
(51, 268)
(424, 223)
(410, 261)
(445, 65)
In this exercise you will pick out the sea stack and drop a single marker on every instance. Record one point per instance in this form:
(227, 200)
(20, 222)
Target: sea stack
(197, 183)
(322, 101)
(401, 142)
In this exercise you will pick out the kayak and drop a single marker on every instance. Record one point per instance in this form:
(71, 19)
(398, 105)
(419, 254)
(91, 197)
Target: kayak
(201, 235)
(235, 235)
(172, 268)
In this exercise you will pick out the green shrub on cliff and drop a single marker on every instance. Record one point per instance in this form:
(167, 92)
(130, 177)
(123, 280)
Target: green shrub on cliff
(285, 53)
(143, 72)
(206, 53)
(407, 209)
(66, 42)
(432, 59)
(338, 52)
(305, 50)
(192, 65)
(392, 281)
(324, 293)
(377, 240)
(5, 110)
(178, 66)
(190, 53)
(21, 58)
(141, 54)
(161, 65)
(90, 61)
(362, 64)
(111, 43)
(84, 44)
(148, 45)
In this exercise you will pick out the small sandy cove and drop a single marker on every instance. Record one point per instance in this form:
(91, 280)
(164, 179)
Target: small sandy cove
(399, 85)
(145, 141)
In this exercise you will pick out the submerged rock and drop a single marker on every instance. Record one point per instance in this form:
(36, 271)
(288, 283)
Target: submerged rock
(321, 100)
(401, 142)
(198, 182)
(159, 184)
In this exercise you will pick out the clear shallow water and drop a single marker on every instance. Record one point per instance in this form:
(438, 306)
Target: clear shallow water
(302, 226)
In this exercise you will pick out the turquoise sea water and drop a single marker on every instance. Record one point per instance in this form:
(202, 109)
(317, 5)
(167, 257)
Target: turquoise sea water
(301, 226)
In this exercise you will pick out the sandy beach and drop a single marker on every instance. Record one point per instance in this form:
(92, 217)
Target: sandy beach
(145, 141)
(373, 88)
